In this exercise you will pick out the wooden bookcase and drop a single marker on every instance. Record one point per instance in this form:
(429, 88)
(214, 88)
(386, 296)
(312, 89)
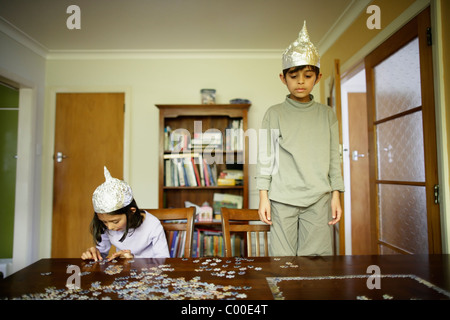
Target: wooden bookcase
(215, 116)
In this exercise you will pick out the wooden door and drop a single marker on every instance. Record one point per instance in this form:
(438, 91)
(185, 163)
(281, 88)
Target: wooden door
(359, 172)
(402, 134)
(334, 101)
(89, 134)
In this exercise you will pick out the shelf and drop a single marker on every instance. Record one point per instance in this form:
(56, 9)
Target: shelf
(186, 117)
(207, 224)
(228, 110)
(199, 188)
(194, 151)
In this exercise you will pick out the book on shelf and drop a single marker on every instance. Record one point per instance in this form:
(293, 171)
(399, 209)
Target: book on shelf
(225, 200)
(167, 133)
(176, 140)
(188, 170)
(173, 243)
(177, 242)
(231, 178)
(205, 243)
(181, 172)
(180, 139)
(209, 139)
(235, 135)
(210, 243)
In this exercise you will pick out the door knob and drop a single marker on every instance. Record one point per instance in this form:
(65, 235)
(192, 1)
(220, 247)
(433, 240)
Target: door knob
(60, 156)
(356, 155)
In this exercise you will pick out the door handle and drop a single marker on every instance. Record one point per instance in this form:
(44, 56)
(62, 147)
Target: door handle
(60, 156)
(356, 155)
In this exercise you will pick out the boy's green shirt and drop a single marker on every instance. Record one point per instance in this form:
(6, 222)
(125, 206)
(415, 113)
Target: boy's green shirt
(307, 164)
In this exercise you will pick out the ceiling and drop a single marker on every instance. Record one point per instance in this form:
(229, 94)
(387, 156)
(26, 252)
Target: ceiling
(151, 25)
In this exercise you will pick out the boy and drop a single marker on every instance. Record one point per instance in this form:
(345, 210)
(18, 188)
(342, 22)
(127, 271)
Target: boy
(299, 174)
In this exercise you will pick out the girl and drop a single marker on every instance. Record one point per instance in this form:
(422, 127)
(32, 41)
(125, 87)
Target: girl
(118, 221)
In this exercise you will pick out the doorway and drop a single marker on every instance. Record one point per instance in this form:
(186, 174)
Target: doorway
(402, 142)
(9, 124)
(356, 162)
(89, 134)
(399, 214)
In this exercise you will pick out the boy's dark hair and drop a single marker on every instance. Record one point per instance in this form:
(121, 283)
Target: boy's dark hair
(295, 69)
(134, 220)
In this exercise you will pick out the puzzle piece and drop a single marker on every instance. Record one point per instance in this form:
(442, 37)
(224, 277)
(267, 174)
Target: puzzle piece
(113, 269)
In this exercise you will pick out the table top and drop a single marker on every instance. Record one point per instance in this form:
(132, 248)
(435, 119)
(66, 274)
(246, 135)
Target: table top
(385, 277)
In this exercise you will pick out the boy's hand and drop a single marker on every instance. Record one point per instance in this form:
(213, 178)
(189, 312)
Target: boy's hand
(126, 254)
(336, 210)
(91, 253)
(264, 207)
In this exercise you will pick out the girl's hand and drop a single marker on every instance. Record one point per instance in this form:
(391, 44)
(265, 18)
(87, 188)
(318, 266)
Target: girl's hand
(91, 253)
(126, 254)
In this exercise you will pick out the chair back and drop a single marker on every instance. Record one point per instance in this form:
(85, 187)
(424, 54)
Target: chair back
(187, 215)
(237, 220)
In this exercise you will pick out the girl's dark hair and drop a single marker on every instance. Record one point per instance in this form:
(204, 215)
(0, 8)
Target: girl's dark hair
(134, 220)
(295, 69)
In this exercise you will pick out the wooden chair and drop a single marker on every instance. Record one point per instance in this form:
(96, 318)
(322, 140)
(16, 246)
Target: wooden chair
(166, 215)
(238, 216)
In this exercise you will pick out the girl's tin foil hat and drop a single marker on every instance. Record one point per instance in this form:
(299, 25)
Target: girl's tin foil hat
(111, 195)
(301, 52)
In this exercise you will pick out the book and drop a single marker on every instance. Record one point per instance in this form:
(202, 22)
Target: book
(189, 172)
(226, 182)
(195, 251)
(173, 241)
(212, 173)
(200, 169)
(182, 170)
(211, 243)
(177, 243)
(196, 173)
(225, 200)
(174, 170)
(179, 140)
(181, 173)
(168, 177)
(230, 177)
(181, 244)
(206, 173)
(167, 133)
(232, 174)
(234, 135)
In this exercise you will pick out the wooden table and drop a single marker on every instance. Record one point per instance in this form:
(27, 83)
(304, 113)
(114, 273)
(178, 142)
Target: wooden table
(291, 278)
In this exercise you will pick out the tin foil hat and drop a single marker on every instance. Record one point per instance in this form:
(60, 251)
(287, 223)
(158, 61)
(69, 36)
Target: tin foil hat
(111, 195)
(301, 52)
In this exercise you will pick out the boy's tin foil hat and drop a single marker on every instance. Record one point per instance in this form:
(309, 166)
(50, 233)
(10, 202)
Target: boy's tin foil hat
(301, 52)
(111, 195)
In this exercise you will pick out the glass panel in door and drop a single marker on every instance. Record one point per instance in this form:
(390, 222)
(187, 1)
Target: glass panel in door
(402, 211)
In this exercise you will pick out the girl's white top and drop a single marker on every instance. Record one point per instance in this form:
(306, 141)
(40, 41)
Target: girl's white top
(146, 241)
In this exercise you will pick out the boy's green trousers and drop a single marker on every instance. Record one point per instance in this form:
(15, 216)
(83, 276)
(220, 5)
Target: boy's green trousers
(301, 231)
